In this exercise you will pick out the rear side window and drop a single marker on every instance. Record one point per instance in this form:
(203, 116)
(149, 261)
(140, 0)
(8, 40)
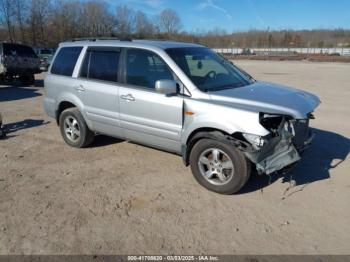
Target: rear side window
(65, 61)
(101, 64)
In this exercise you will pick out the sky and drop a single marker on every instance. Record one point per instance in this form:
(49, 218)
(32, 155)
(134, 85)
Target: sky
(242, 15)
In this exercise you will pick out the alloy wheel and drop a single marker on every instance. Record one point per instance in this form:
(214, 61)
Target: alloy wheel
(216, 166)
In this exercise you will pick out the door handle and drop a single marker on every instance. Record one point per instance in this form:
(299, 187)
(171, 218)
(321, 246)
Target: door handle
(128, 97)
(80, 88)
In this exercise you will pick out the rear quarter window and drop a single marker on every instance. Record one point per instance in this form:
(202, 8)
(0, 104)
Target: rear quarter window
(65, 61)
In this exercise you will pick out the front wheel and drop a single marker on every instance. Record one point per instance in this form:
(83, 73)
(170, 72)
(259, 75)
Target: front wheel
(218, 166)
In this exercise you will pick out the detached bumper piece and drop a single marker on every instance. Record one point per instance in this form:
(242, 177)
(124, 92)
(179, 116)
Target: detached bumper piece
(283, 157)
(281, 151)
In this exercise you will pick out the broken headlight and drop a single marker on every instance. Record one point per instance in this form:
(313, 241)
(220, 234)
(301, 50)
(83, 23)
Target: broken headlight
(272, 122)
(255, 140)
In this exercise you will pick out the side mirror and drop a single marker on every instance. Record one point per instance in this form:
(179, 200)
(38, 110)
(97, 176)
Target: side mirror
(166, 87)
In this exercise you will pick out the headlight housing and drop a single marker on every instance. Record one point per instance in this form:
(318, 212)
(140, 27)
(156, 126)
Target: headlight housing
(273, 122)
(255, 140)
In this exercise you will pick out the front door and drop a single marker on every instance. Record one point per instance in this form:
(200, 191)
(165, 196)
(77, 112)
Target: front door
(147, 116)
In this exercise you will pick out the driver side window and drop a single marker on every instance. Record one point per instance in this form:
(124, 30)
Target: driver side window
(144, 68)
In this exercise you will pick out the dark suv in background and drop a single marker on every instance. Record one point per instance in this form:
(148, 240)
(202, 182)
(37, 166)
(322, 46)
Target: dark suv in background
(18, 61)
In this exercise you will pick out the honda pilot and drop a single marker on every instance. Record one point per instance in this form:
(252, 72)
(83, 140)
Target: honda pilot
(182, 98)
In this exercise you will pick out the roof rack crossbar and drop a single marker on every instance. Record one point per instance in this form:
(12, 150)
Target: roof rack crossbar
(98, 39)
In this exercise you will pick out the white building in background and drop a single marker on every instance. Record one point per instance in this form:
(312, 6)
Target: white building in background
(337, 50)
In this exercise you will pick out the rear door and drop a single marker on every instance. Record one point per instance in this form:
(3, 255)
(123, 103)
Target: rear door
(147, 116)
(98, 89)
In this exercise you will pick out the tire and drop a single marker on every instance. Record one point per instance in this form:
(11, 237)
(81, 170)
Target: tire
(77, 134)
(27, 80)
(231, 165)
(2, 132)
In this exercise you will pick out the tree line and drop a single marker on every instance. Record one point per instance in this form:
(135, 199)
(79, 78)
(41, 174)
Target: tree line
(45, 23)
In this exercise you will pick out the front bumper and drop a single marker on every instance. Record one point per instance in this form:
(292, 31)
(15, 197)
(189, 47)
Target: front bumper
(283, 157)
(281, 151)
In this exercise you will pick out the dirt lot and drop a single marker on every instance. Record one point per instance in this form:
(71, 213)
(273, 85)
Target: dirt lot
(120, 198)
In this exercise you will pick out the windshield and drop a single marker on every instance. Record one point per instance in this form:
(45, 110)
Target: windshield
(207, 70)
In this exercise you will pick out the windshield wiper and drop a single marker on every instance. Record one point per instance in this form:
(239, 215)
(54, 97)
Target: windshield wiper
(218, 88)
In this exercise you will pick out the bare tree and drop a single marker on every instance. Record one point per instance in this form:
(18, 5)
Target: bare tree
(125, 21)
(20, 13)
(143, 25)
(96, 20)
(48, 22)
(39, 15)
(66, 21)
(169, 22)
(7, 11)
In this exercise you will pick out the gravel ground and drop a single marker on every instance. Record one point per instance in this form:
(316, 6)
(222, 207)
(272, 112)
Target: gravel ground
(121, 198)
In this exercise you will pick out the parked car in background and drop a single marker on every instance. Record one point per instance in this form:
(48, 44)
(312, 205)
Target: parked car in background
(18, 61)
(182, 98)
(45, 55)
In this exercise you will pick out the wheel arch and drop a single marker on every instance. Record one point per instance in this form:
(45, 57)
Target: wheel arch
(63, 105)
(198, 134)
(69, 100)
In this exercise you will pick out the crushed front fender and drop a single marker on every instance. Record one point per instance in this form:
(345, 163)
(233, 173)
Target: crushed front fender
(284, 156)
(278, 153)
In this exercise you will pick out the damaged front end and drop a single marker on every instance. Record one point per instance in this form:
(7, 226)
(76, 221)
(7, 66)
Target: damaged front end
(282, 147)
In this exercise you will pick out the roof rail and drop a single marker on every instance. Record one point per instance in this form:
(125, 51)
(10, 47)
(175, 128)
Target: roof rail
(98, 39)
(126, 39)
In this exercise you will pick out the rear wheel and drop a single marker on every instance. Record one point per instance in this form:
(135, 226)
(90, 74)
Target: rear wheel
(74, 130)
(218, 166)
(27, 79)
(2, 132)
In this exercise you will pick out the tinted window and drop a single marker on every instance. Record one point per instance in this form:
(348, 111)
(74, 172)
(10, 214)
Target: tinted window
(46, 51)
(26, 51)
(65, 61)
(19, 50)
(101, 65)
(207, 70)
(144, 68)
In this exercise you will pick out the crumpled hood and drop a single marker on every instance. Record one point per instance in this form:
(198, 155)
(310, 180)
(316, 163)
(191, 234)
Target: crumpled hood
(268, 98)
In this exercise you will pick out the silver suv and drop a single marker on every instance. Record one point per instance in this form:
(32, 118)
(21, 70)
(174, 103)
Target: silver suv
(182, 98)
